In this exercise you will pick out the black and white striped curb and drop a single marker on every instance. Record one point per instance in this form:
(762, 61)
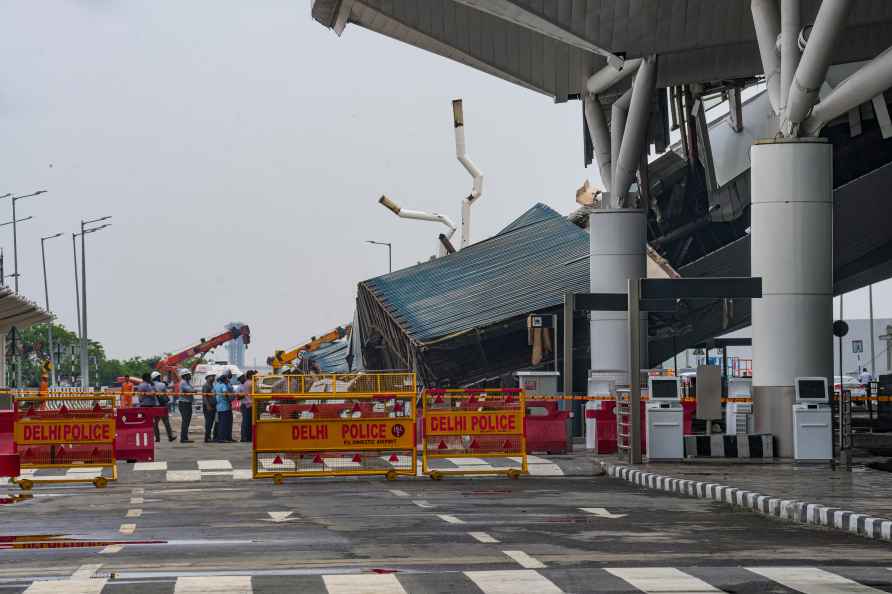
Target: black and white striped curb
(785, 509)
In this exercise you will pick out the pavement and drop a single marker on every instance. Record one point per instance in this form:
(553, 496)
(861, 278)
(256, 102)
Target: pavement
(219, 532)
(536, 534)
(855, 500)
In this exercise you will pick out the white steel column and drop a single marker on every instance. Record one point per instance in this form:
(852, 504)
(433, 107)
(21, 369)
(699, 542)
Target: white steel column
(792, 251)
(635, 135)
(618, 239)
(790, 54)
(766, 19)
(597, 129)
(618, 114)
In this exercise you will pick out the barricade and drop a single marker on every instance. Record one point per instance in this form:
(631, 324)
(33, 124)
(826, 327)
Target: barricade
(134, 436)
(479, 424)
(546, 427)
(65, 432)
(10, 464)
(342, 426)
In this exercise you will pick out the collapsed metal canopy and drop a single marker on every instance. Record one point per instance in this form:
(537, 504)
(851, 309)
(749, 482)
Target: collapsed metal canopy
(553, 46)
(18, 312)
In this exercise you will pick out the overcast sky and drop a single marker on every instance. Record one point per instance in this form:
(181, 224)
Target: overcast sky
(241, 148)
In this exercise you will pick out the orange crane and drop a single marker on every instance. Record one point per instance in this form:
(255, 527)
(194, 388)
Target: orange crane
(282, 358)
(171, 363)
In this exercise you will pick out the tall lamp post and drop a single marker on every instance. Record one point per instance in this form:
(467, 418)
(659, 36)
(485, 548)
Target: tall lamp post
(46, 293)
(77, 291)
(389, 252)
(85, 360)
(15, 244)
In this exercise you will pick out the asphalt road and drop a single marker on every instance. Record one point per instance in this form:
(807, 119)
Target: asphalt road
(494, 535)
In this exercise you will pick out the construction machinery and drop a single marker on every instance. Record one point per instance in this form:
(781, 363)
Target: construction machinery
(282, 358)
(193, 355)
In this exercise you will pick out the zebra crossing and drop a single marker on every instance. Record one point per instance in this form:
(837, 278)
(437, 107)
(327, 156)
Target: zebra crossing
(698, 580)
(198, 470)
(225, 469)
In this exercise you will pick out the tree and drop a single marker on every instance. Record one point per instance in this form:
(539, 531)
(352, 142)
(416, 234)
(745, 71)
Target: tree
(33, 348)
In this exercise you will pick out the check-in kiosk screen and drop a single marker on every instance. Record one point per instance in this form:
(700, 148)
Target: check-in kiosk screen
(664, 389)
(812, 389)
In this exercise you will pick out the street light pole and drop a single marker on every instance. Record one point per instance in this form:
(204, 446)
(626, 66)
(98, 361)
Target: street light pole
(15, 244)
(389, 252)
(85, 361)
(77, 291)
(46, 293)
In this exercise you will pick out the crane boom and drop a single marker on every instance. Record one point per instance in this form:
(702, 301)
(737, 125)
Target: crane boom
(171, 362)
(282, 358)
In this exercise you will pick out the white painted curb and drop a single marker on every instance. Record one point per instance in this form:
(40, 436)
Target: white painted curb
(785, 509)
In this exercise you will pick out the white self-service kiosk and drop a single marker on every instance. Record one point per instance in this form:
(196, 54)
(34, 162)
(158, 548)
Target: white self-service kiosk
(812, 421)
(739, 415)
(665, 419)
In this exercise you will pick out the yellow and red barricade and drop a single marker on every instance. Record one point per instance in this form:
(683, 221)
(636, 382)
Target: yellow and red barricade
(342, 426)
(71, 432)
(461, 425)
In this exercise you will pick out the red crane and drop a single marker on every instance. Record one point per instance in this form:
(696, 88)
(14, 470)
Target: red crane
(170, 363)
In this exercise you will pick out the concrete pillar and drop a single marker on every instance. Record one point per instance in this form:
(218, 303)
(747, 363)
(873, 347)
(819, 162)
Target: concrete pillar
(792, 250)
(618, 240)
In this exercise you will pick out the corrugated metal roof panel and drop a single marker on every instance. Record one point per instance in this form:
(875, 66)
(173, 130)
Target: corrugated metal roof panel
(332, 357)
(538, 213)
(511, 274)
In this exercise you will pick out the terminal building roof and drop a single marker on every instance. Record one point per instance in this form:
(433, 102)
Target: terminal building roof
(553, 46)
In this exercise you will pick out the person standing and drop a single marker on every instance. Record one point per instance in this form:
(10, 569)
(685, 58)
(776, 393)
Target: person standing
(866, 378)
(185, 403)
(244, 391)
(223, 391)
(145, 391)
(163, 400)
(209, 408)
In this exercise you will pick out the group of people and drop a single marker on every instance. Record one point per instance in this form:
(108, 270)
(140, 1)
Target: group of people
(217, 395)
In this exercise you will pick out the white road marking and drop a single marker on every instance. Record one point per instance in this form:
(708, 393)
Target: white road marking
(83, 473)
(85, 571)
(279, 516)
(662, 579)
(134, 513)
(539, 466)
(336, 462)
(137, 501)
(450, 519)
(180, 476)
(111, 549)
(525, 560)
(150, 466)
(127, 528)
(241, 474)
(512, 581)
(138, 491)
(214, 465)
(602, 512)
(268, 465)
(80, 586)
(483, 537)
(468, 462)
(422, 503)
(401, 462)
(363, 583)
(399, 493)
(811, 580)
(216, 472)
(234, 584)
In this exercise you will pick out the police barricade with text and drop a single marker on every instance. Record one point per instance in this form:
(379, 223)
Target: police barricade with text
(467, 427)
(61, 431)
(335, 434)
